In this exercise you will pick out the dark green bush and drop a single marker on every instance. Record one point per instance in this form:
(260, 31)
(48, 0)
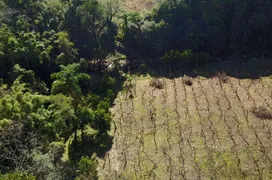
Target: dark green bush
(102, 121)
(186, 58)
(92, 100)
(176, 59)
(107, 82)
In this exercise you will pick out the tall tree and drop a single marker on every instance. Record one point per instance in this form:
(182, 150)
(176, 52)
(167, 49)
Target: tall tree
(68, 80)
(92, 30)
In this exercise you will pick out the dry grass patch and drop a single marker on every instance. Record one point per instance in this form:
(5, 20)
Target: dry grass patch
(139, 5)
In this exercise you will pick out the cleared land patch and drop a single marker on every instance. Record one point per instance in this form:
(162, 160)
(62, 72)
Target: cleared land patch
(208, 130)
(139, 5)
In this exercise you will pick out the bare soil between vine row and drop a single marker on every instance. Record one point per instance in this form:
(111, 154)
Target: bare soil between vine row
(203, 131)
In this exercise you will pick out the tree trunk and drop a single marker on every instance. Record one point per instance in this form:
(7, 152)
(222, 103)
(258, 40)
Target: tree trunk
(82, 133)
(75, 136)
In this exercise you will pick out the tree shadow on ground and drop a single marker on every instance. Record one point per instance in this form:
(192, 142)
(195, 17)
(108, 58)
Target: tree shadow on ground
(89, 144)
(253, 68)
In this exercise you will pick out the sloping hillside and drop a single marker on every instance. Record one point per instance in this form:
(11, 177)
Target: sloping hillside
(210, 130)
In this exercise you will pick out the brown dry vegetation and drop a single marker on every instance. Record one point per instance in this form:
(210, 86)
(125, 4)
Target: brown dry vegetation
(139, 5)
(204, 131)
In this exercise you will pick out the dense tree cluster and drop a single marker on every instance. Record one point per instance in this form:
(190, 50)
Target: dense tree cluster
(219, 27)
(48, 110)
(55, 91)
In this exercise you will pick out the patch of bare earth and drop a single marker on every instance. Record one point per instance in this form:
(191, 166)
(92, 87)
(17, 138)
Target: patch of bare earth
(139, 5)
(208, 130)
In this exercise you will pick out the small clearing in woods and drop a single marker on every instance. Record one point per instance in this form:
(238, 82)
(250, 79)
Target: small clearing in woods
(139, 5)
(204, 131)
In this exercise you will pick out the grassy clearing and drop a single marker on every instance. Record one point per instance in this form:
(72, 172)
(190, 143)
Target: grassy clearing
(139, 5)
(204, 131)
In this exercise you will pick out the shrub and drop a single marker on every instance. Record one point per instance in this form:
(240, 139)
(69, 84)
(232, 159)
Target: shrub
(131, 96)
(177, 58)
(105, 104)
(157, 83)
(187, 56)
(187, 81)
(102, 119)
(110, 95)
(172, 56)
(92, 100)
(107, 83)
(17, 175)
(86, 168)
(262, 112)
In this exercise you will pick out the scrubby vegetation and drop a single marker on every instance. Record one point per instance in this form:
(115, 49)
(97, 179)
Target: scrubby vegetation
(63, 62)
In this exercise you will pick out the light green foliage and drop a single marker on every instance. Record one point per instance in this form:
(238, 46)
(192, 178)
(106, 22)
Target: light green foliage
(185, 56)
(67, 81)
(28, 76)
(68, 53)
(89, 110)
(47, 115)
(85, 116)
(17, 176)
(96, 113)
(110, 95)
(4, 123)
(53, 117)
(86, 169)
(33, 51)
(177, 58)
(34, 46)
(102, 120)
